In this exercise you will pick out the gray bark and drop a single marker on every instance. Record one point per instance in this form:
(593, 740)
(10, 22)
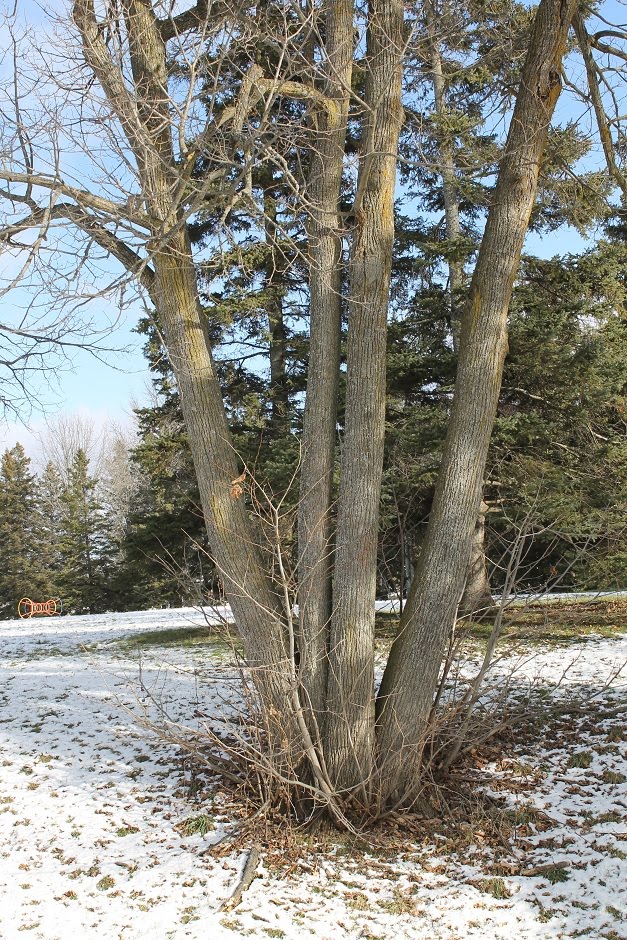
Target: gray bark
(275, 287)
(477, 597)
(476, 594)
(320, 418)
(350, 726)
(411, 675)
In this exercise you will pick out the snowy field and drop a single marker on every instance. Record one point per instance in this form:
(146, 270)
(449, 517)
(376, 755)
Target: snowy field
(101, 836)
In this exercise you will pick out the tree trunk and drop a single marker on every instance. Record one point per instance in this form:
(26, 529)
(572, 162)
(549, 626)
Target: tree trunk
(350, 726)
(275, 289)
(411, 675)
(447, 171)
(320, 418)
(477, 593)
(477, 596)
(234, 541)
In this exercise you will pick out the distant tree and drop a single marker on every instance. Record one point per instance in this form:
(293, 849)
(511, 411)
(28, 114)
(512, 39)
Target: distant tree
(83, 542)
(51, 526)
(165, 543)
(21, 573)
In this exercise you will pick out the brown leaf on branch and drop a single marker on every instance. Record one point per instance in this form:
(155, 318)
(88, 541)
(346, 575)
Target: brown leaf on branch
(236, 486)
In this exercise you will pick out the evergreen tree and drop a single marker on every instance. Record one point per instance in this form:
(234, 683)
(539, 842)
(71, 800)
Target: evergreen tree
(21, 574)
(83, 542)
(51, 527)
(559, 456)
(165, 542)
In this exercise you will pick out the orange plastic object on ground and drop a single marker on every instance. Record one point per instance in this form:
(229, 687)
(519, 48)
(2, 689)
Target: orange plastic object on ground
(28, 608)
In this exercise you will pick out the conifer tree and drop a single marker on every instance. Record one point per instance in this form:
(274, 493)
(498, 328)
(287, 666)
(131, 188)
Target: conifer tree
(21, 574)
(51, 527)
(82, 543)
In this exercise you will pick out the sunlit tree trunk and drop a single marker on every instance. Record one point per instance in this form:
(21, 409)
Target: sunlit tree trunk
(315, 522)
(411, 675)
(350, 726)
(476, 596)
(144, 116)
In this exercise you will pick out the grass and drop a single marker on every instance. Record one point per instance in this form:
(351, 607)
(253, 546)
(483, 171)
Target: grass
(105, 883)
(358, 901)
(198, 825)
(611, 816)
(556, 875)
(496, 887)
(581, 759)
(399, 904)
(522, 815)
(192, 636)
(556, 625)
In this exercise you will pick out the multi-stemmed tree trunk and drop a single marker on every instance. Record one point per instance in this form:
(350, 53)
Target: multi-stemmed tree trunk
(333, 696)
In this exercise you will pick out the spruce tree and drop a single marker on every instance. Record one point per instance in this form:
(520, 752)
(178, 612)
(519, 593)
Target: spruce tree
(83, 543)
(51, 527)
(21, 573)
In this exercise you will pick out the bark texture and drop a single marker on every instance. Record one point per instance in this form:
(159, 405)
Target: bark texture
(477, 597)
(477, 590)
(275, 287)
(315, 520)
(411, 675)
(350, 724)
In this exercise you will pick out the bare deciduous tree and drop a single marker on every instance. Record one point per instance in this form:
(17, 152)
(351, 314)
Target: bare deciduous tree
(186, 104)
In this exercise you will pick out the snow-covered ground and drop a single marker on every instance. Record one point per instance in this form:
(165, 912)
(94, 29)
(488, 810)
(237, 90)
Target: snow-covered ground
(99, 827)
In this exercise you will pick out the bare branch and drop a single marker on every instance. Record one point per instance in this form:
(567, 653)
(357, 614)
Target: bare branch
(190, 19)
(597, 103)
(116, 210)
(93, 227)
